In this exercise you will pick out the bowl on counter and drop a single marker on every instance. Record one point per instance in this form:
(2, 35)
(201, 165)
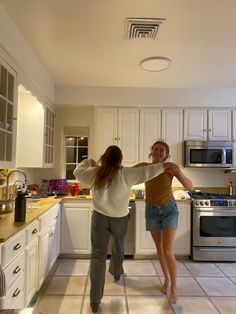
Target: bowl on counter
(6, 206)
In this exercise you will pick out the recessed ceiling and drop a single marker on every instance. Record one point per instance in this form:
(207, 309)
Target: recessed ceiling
(82, 42)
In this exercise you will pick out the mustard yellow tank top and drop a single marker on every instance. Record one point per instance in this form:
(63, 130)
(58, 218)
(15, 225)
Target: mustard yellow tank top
(158, 190)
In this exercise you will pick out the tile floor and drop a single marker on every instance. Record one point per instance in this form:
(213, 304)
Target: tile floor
(202, 288)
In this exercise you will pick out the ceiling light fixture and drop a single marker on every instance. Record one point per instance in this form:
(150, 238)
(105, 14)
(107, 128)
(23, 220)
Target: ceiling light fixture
(155, 64)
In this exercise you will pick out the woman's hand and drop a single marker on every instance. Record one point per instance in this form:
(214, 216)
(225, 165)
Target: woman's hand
(171, 168)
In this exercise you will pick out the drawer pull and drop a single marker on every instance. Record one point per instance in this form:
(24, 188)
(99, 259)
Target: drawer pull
(16, 270)
(17, 247)
(16, 293)
(35, 231)
(51, 234)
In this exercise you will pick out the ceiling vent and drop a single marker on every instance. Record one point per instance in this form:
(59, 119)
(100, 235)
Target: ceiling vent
(142, 27)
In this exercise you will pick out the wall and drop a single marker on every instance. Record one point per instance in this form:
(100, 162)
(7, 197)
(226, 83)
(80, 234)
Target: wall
(161, 97)
(29, 66)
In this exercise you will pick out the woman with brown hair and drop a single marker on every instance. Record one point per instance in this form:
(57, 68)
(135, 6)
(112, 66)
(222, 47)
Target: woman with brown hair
(111, 185)
(161, 213)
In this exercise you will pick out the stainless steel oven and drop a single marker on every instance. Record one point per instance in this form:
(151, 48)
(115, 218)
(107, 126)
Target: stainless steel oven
(213, 227)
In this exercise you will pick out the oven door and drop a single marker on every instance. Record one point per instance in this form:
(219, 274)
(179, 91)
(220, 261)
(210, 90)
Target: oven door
(214, 227)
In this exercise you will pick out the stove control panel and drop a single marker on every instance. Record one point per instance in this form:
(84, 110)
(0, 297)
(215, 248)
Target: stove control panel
(214, 203)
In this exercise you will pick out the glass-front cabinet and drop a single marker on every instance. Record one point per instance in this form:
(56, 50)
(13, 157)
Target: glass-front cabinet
(7, 115)
(49, 136)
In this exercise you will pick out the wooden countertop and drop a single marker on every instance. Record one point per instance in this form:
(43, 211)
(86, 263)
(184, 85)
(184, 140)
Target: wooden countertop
(9, 228)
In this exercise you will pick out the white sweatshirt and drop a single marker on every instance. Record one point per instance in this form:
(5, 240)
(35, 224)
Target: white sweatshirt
(113, 201)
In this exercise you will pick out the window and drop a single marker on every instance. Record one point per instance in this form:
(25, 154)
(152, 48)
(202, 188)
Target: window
(76, 151)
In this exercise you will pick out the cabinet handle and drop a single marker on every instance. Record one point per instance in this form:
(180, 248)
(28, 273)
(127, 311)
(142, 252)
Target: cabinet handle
(209, 130)
(16, 270)
(35, 231)
(16, 293)
(204, 130)
(51, 234)
(17, 247)
(116, 138)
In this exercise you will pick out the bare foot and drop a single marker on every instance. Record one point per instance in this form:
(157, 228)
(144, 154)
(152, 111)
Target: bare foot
(173, 296)
(164, 288)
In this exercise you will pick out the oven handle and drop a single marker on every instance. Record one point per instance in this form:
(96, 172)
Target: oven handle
(217, 249)
(216, 210)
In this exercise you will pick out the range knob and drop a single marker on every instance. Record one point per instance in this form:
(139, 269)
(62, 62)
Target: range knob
(207, 203)
(234, 203)
(201, 203)
(196, 203)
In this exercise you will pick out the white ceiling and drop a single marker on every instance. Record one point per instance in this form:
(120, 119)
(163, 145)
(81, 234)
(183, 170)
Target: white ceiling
(81, 42)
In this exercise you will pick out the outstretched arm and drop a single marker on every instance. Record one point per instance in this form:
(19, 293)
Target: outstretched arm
(185, 181)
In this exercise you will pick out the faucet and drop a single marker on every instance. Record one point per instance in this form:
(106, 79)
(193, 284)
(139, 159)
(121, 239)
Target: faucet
(8, 178)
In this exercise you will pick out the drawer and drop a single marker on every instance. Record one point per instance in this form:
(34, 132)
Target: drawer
(32, 231)
(14, 298)
(12, 248)
(14, 269)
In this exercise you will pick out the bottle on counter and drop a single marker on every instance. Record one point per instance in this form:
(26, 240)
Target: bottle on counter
(20, 206)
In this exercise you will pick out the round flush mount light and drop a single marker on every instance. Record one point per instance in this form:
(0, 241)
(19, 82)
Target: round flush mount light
(155, 64)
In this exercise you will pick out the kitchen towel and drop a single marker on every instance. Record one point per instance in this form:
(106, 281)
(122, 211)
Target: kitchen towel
(2, 283)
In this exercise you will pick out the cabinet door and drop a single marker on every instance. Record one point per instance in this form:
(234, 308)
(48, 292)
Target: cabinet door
(43, 256)
(31, 270)
(234, 137)
(172, 132)
(182, 237)
(150, 131)
(7, 115)
(144, 243)
(49, 137)
(75, 228)
(106, 129)
(195, 124)
(54, 242)
(128, 134)
(219, 124)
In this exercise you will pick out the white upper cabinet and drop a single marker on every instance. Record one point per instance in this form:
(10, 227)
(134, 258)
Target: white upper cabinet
(118, 126)
(195, 124)
(35, 132)
(172, 132)
(150, 131)
(7, 115)
(207, 124)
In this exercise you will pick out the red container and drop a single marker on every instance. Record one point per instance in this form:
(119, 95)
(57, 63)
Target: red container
(74, 190)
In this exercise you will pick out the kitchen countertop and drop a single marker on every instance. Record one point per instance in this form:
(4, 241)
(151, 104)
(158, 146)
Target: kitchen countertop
(9, 228)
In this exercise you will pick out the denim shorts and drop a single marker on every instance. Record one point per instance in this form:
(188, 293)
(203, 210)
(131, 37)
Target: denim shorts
(161, 217)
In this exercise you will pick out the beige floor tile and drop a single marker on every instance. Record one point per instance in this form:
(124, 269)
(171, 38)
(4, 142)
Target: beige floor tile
(149, 305)
(111, 287)
(233, 279)
(109, 305)
(187, 286)
(217, 286)
(66, 285)
(143, 286)
(194, 305)
(58, 305)
(139, 268)
(203, 269)
(225, 305)
(73, 267)
(228, 268)
(181, 269)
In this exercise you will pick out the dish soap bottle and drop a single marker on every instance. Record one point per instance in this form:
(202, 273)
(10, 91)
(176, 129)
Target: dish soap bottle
(20, 206)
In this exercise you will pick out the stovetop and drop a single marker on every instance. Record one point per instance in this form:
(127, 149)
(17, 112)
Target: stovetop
(210, 196)
(213, 200)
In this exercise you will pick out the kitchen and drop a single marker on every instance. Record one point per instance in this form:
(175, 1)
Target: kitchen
(158, 96)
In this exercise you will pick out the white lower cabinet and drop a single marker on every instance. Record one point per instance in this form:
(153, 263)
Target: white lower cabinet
(43, 256)
(13, 264)
(144, 243)
(31, 270)
(75, 227)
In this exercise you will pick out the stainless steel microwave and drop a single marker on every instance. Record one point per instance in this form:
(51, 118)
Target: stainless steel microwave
(215, 154)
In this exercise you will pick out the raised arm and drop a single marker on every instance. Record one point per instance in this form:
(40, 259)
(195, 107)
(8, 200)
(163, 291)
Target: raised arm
(185, 181)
